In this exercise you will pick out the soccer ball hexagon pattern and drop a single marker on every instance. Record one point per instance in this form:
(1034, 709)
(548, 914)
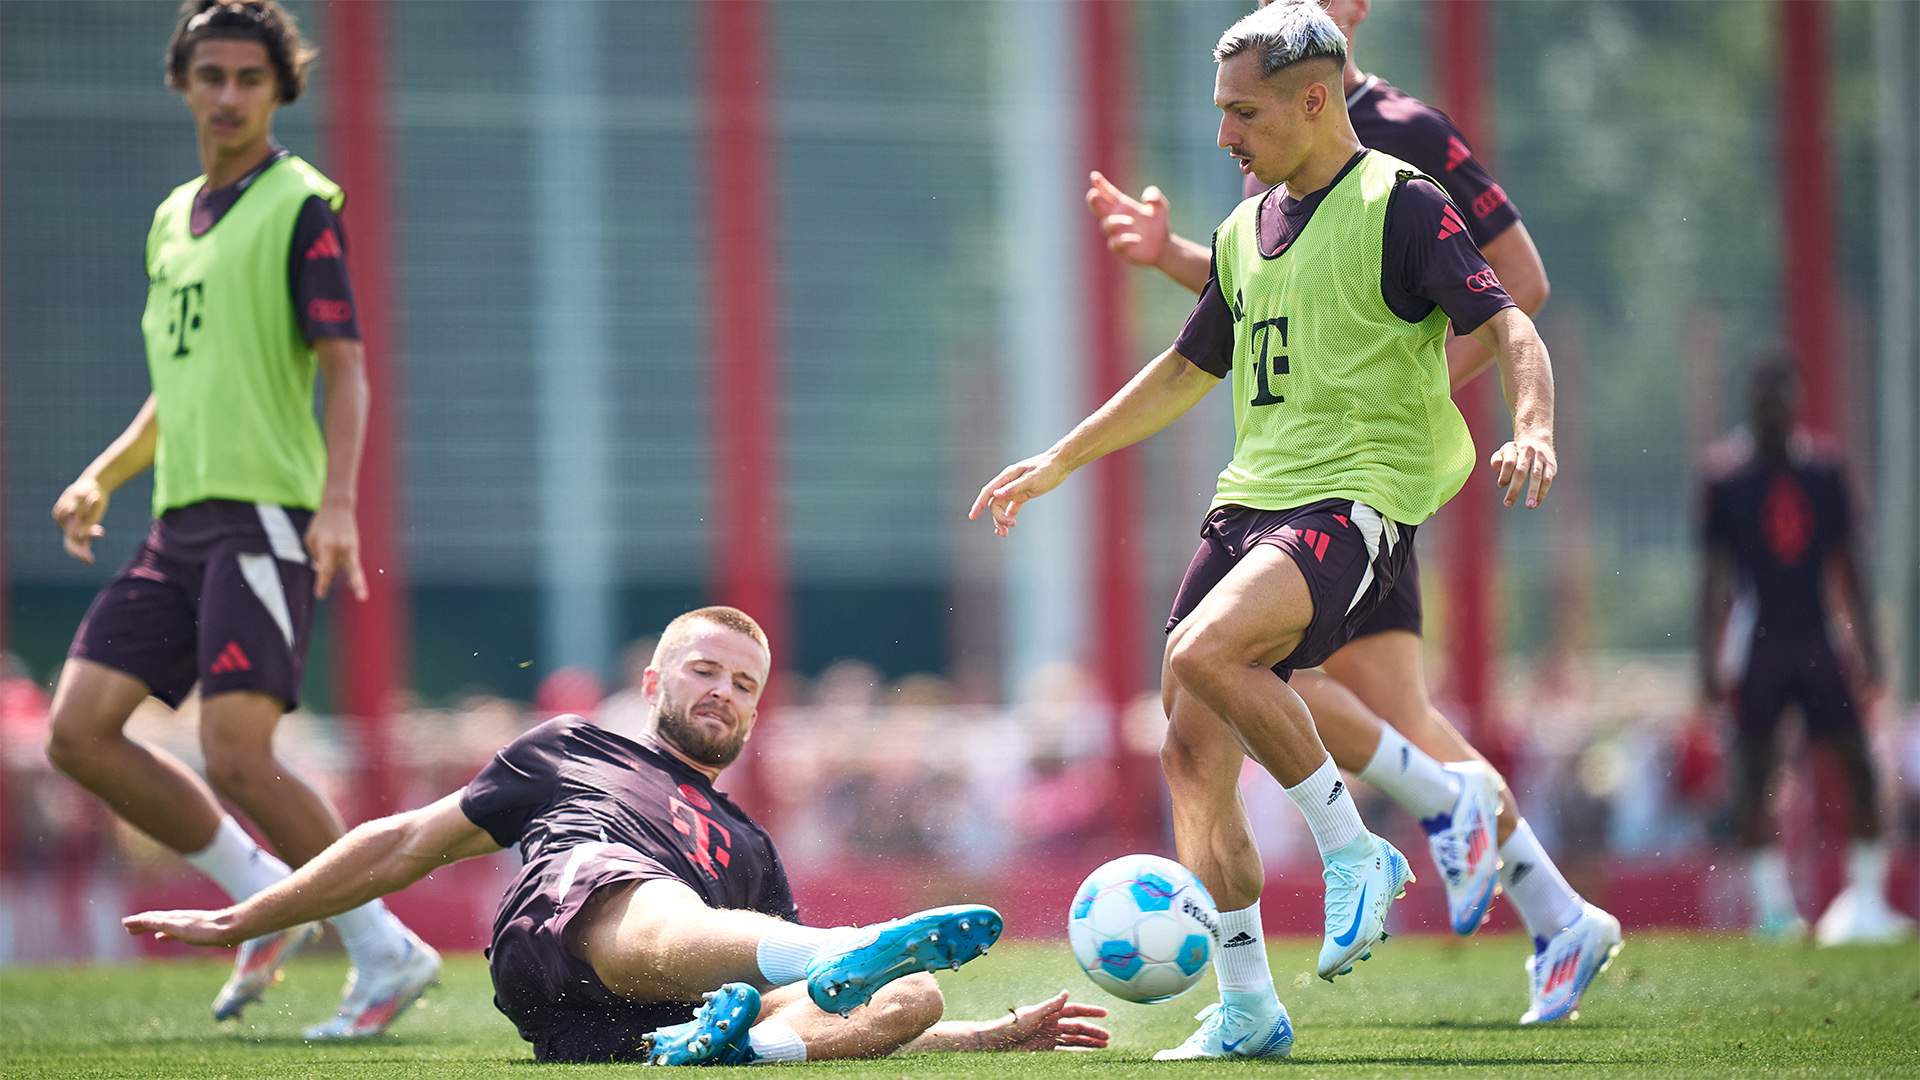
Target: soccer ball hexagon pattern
(1143, 928)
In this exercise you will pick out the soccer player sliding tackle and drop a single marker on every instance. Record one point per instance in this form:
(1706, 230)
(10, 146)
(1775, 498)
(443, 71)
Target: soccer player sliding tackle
(651, 919)
(1369, 699)
(1345, 440)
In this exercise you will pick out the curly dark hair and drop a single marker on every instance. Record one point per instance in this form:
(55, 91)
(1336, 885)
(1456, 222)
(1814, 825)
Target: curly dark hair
(263, 21)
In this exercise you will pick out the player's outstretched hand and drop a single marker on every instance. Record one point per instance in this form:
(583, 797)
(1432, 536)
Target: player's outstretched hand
(333, 543)
(1005, 494)
(1136, 229)
(1525, 464)
(192, 927)
(1053, 1024)
(77, 512)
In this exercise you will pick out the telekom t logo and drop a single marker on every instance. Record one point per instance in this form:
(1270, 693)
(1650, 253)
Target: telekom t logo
(709, 839)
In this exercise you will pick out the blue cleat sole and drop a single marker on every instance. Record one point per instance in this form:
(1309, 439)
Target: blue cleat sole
(717, 1034)
(940, 938)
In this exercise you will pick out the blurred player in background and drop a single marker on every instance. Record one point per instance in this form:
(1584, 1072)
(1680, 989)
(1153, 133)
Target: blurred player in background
(643, 889)
(254, 510)
(1779, 533)
(1345, 440)
(1416, 756)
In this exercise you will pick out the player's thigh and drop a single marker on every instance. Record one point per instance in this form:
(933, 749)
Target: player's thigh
(91, 702)
(237, 729)
(1387, 672)
(1257, 614)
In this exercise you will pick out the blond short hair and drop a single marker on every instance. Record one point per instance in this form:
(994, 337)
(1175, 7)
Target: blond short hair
(675, 636)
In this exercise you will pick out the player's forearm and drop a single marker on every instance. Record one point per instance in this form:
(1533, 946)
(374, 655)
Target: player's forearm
(1186, 262)
(1156, 396)
(949, 1036)
(1526, 374)
(130, 454)
(344, 373)
(370, 861)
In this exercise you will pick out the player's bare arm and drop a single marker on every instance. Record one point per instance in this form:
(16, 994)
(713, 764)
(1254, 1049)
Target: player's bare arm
(1053, 1024)
(1716, 597)
(376, 858)
(1516, 262)
(1527, 462)
(1157, 396)
(333, 537)
(79, 509)
(1138, 231)
(1866, 635)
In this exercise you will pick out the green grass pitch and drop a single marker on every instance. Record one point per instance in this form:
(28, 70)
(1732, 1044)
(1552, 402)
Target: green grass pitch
(1672, 1005)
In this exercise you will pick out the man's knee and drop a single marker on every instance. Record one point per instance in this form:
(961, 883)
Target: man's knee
(1198, 657)
(908, 1006)
(234, 769)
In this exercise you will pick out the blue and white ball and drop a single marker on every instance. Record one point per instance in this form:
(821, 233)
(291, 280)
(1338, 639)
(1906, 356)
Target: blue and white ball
(1143, 928)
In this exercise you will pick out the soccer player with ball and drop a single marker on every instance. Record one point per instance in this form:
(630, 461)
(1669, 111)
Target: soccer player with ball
(1369, 699)
(651, 919)
(1345, 440)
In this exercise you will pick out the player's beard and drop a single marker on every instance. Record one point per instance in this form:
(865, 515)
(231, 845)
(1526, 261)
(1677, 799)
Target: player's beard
(674, 724)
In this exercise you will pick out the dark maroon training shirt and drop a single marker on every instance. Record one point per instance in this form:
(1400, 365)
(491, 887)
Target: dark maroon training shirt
(569, 782)
(1389, 119)
(322, 294)
(1780, 524)
(1430, 261)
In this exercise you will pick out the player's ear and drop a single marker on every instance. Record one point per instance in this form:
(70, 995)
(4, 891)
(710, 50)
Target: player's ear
(650, 685)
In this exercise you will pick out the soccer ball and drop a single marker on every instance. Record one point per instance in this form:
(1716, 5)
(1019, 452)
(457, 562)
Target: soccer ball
(1144, 928)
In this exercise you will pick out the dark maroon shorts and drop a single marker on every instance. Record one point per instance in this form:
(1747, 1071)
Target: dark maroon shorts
(553, 996)
(1400, 610)
(219, 593)
(1349, 555)
(1782, 671)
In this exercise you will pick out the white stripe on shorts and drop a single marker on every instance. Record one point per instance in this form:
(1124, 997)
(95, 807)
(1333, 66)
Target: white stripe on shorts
(281, 535)
(1374, 529)
(262, 575)
(581, 853)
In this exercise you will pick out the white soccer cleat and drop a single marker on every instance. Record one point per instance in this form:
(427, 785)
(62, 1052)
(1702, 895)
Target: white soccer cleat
(1563, 966)
(257, 966)
(376, 997)
(1466, 847)
(1860, 917)
(1363, 880)
(1229, 1032)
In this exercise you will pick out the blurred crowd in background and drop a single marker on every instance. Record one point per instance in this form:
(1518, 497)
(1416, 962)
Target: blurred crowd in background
(1613, 763)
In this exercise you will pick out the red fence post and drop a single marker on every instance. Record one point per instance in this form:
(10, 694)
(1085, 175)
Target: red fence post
(745, 354)
(370, 637)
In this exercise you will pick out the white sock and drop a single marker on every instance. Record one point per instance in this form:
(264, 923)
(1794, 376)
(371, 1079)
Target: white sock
(1867, 867)
(1546, 903)
(1772, 892)
(787, 949)
(235, 862)
(372, 936)
(1412, 779)
(774, 1042)
(1328, 806)
(1246, 978)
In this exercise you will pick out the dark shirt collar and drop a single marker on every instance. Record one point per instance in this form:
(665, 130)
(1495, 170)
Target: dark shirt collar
(210, 206)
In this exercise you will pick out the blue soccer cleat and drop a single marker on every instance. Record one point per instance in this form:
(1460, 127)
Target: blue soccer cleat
(846, 978)
(1563, 966)
(717, 1034)
(1465, 847)
(1363, 880)
(1229, 1032)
